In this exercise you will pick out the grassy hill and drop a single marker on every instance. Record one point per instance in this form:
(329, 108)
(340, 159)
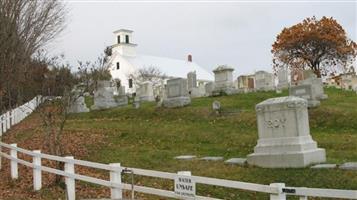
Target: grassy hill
(150, 137)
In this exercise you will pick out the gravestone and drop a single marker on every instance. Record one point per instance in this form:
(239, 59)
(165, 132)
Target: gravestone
(209, 87)
(78, 105)
(283, 81)
(145, 92)
(191, 80)
(104, 96)
(284, 135)
(264, 81)
(176, 93)
(223, 80)
(306, 92)
(317, 87)
(216, 106)
(136, 103)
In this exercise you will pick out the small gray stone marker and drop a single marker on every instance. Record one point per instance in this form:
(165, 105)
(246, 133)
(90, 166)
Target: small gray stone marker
(185, 157)
(349, 166)
(212, 158)
(236, 161)
(324, 166)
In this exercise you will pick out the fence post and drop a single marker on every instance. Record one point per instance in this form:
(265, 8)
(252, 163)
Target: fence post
(1, 126)
(70, 182)
(13, 163)
(3, 122)
(7, 120)
(115, 177)
(37, 175)
(0, 148)
(280, 195)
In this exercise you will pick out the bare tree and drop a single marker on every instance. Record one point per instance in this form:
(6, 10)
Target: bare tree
(151, 74)
(26, 28)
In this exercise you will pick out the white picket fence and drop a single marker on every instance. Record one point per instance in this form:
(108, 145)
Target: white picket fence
(276, 191)
(16, 115)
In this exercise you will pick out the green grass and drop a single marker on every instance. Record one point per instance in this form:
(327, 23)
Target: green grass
(150, 137)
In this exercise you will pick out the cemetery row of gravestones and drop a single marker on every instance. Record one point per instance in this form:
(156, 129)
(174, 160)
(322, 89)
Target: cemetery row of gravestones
(178, 91)
(283, 125)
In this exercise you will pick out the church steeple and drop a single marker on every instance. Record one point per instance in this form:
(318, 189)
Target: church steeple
(123, 45)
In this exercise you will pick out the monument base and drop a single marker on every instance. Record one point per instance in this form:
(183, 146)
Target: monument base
(175, 102)
(291, 152)
(288, 160)
(105, 103)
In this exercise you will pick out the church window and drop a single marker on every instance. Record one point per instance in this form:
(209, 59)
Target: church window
(118, 65)
(130, 83)
(127, 38)
(118, 39)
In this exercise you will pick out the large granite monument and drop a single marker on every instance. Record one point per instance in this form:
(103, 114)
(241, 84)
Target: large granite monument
(176, 93)
(223, 80)
(264, 81)
(284, 135)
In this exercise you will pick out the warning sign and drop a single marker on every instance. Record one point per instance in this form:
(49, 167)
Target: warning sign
(185, 187)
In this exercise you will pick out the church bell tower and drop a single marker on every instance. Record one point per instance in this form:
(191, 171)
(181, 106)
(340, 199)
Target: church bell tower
(123, 45)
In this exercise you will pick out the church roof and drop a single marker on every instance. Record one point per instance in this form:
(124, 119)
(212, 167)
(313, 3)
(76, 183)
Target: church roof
(170, 67)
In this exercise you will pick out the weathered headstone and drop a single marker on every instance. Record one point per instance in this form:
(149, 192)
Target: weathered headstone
(284, 135)
(223, 80)
(264, 81)
(209, 87)
(191, 80)
(317, 87)
(78, 105)
(136, 103)
(349, 166)
(283, 81)
(216, 106)
(177, 94)
(104, 97)
(306, 92)
(145, 92)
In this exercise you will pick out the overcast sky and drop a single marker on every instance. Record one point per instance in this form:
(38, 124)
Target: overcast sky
(239, 34)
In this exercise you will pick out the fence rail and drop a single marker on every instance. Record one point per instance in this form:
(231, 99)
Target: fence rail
(276, 191)
(16, 115)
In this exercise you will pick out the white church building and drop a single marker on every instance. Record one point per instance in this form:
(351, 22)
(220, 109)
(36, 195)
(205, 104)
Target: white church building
(125, 61)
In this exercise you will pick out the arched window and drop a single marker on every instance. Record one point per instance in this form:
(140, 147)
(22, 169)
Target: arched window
(127, 38)
(118, 65)
(118, 38)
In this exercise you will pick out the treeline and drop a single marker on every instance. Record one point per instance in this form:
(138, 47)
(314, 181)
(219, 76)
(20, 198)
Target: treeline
(26, 29)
